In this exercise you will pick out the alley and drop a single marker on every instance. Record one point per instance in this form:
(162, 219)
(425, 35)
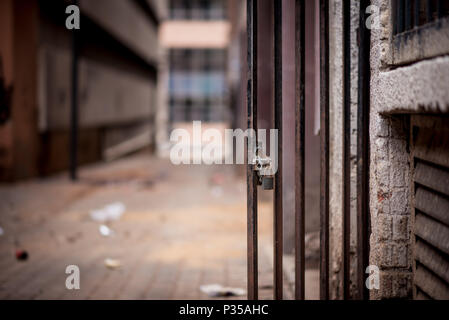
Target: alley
(180, 229)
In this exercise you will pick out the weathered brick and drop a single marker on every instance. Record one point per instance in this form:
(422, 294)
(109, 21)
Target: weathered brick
(402, 286)
(383, 173)
(386, 255)
(401, 228)
(383, 127)
(400, 256)
(398, 151)
(399, 202)
(385, 226)
(382, 148)
(386, 285)
(383, 200)
(398, 175)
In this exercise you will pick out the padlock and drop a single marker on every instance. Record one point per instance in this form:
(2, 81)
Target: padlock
(267, 183)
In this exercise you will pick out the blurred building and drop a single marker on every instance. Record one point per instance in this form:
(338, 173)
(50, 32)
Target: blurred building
(194, 84)
(117, 84)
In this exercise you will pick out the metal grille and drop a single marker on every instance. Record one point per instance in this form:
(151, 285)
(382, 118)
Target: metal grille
(431, 205)
(197, 85)
(411, 14)
(198, 9)
(300, 100)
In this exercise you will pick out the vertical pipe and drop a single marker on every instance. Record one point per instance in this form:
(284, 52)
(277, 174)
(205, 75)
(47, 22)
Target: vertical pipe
(74, 107)
(324, 145)
(278, 225)
(251, 178)
(417, 12)
(363, 152)
(408, 15)
(300, 112)
(346, 175)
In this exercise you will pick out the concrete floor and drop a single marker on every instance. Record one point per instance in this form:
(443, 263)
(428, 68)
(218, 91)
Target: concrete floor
(183, 227)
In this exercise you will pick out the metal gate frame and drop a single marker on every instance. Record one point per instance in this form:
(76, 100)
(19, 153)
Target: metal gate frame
(362, 150)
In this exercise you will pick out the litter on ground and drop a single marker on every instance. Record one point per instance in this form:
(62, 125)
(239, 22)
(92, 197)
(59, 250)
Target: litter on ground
(21, 255)
(216, 290)
(105, 230)
(111, 212)
(112, 263)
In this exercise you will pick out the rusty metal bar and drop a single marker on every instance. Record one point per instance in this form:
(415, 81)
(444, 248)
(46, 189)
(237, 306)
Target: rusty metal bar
(73, 165)
(363, 152)
(278, 210)
(346, 175)
(251, 177)
(300, 112)
(324, 145)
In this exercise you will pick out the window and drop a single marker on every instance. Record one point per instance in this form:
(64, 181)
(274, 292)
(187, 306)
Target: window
(198, 9)
(197, 84)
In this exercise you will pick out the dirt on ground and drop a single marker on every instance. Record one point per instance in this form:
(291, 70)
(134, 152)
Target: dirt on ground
(181, 227)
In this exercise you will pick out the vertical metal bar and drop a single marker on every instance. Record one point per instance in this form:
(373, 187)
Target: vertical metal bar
(408, 15)
(278, 211)
(363, 152)
(300, 112)
(74, 107)
(324, 145)
(251, 178)
(417, 12)
(400, 16)
(429, 11)
(346, 175)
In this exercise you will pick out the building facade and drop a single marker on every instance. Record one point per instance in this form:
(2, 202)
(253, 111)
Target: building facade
(118, 57)
(408, 145)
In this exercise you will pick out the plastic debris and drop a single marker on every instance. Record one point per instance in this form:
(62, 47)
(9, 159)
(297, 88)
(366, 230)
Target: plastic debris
(216, 290)
(2, 232)
(216, 191)
(21, 255)
(105, 230)
(112, 263)
(112, 212)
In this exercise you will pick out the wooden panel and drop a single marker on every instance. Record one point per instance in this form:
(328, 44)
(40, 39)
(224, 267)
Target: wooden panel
(55, 155)
(432, 259)
(6, 71)
(433, 232)
(108, 96)
(430, 122)
(433, 205)
(432, 177)
(24, 102)
(433, 146)
(430, 143)
(431, 284)
(124, 20)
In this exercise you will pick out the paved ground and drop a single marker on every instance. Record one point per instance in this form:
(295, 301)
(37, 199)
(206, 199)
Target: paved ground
(182, 228)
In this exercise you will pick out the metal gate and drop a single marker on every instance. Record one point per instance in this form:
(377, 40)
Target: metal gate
(362, 149)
